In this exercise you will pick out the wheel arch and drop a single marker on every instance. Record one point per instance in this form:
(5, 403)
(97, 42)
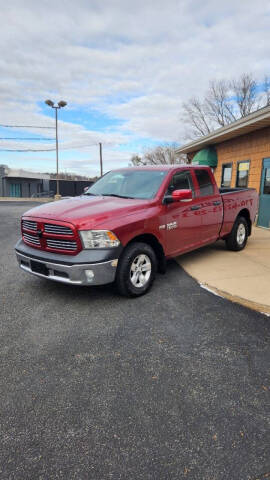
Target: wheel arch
(152, 240)
(245, 213)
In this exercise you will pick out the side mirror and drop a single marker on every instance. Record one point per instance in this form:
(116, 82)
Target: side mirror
(85, 189)
(184, 195)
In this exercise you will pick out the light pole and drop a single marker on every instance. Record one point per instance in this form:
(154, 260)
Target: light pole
(61, 104)
(100, 159)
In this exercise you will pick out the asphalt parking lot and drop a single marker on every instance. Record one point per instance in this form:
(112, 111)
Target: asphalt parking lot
(173, 385)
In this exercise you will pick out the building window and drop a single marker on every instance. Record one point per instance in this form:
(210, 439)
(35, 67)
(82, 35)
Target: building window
(15, 190)
(226, 175)
(242, 174)
(205, 183)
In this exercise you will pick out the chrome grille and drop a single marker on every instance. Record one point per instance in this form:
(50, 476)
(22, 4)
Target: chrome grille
(57, 229)
(29, 225)
(31, 239)
(61, 244)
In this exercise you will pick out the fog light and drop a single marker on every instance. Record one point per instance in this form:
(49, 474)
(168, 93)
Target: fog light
(89, 275)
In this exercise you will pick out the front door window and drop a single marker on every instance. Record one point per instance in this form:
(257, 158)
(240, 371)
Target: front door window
(181, 181)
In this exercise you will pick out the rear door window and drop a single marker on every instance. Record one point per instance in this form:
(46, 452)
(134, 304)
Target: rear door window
(205, 183)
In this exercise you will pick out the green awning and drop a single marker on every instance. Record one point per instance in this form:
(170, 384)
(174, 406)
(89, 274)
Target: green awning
(206, 156)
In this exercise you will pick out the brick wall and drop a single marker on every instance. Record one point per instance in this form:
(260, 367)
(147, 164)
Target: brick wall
(254, 146)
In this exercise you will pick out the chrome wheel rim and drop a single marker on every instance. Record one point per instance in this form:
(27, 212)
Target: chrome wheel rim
(140, 270)
(241, 234)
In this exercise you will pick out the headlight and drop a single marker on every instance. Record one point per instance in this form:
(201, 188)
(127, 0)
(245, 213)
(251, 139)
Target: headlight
(98, 239)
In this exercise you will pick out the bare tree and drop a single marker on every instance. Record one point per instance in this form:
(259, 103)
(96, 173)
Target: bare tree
(218, 106)
(136, 161)
(224, 103)
(161, 155)
(196, 117)
(71, 176)
(266, 90)
(244, 90)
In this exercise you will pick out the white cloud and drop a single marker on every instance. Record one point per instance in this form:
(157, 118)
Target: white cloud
(136, 61)
(111, 159)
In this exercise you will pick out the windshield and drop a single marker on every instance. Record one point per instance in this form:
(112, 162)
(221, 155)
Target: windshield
(129, 184)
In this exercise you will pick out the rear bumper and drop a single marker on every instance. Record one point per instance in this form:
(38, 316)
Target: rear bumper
(98, 273)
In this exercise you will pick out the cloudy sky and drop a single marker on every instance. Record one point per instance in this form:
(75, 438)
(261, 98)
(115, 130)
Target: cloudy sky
(123, 66)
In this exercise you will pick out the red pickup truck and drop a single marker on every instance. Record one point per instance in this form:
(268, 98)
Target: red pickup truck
(125, 226)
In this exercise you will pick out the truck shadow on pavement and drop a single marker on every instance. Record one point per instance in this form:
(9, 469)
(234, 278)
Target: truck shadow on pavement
(73, 292)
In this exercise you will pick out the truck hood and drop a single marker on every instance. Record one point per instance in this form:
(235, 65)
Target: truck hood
(87, 212)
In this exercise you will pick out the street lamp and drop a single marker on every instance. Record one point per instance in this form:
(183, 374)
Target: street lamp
(60, 104)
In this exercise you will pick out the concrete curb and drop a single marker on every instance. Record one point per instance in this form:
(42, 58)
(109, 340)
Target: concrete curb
(265, 309)
(241, 277)
(23, 199)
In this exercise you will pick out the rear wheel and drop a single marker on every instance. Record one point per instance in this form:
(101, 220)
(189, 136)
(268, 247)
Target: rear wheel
(136, 270)
(237, 239)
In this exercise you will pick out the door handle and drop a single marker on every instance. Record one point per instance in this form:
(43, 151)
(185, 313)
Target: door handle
(195, 207)
(217, 202)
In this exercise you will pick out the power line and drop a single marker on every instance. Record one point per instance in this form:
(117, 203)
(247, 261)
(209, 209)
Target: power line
(28, 150)
(47, 149)
(25, 126)
(74, 147)
(31, 138)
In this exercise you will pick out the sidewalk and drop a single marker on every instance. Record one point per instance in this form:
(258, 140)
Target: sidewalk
(243, 277)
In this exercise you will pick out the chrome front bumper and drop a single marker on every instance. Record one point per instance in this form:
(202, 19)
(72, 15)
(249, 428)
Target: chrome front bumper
(80, 274)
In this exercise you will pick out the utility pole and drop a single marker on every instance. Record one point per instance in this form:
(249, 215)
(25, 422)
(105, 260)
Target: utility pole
(100, 159)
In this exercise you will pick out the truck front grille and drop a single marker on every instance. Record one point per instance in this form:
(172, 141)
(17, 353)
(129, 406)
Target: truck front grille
(57, 229)
(51, 236)
(29, 225)
(31, 239)
(61, 244)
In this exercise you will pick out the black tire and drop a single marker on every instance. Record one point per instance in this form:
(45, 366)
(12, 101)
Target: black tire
(235, 241)
(128, 260)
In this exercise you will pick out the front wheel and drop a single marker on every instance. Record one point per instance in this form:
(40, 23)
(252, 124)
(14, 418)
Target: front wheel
(136, 270)
(237, 239)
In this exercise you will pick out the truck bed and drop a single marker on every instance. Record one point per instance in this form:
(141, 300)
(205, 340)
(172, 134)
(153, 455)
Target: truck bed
(236, 200)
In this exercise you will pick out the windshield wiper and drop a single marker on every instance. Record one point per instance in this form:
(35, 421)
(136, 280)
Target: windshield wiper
(115, 195)
(94, 194)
